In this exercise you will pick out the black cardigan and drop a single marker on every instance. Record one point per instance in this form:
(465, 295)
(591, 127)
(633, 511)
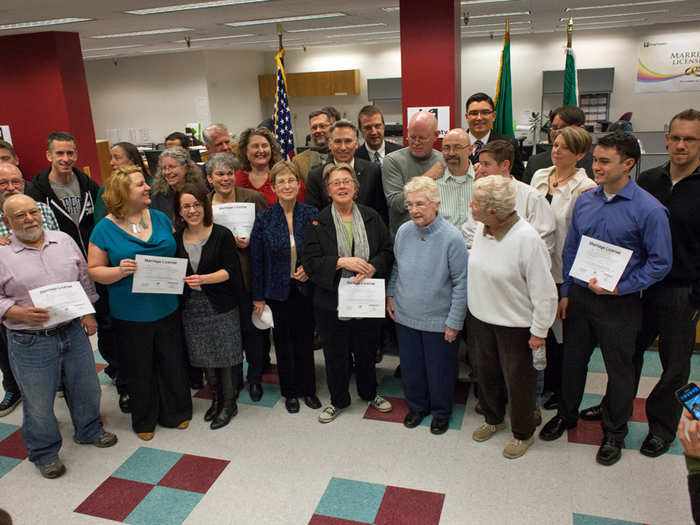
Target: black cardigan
(219, 252)
(320, 254)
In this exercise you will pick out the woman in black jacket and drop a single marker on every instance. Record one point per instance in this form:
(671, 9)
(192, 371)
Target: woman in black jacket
(346, 240)
(210, 302)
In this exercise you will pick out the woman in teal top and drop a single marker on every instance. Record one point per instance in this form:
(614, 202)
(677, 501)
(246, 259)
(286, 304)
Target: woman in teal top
(152, 356)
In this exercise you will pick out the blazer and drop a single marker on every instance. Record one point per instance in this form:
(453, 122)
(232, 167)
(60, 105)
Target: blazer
(321, 254)
(544, 160)
(363, 154)
(371, 192)
(270, 251)
(219, 252)
(518, 168)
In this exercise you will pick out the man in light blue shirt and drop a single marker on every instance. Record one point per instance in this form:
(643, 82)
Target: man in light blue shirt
(456, 182)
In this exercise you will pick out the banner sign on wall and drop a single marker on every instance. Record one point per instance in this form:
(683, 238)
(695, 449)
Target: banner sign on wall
(669, 65)
(442, 113)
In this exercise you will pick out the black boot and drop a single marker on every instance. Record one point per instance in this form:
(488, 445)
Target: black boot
(228, 407)
(215, 387)
(228, 410)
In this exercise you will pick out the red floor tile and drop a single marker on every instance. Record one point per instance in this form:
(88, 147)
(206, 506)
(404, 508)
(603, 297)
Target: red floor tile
(194, 473)
(271, 378)
(586, 433)
(402, 506)
(13, 446)
(114, 499)
(99, 367)
(318, 519)
(639, 413)
(397, 415)
(204, 392)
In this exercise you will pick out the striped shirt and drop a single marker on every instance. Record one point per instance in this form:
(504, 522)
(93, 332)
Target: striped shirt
(455, 196)
(47, 218)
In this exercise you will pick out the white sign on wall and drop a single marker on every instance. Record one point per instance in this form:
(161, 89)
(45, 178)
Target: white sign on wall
(441, 112)
(668, 64)
(5, 133)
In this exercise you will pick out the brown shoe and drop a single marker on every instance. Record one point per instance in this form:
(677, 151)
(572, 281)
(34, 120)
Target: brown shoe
(52, 470)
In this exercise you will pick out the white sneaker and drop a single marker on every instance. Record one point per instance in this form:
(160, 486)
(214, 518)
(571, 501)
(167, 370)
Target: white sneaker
(380, 404)
(329, 414)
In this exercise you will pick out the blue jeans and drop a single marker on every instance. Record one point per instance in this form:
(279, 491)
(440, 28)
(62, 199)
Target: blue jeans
(40, 364)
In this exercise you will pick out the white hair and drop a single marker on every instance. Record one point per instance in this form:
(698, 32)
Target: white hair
(497, 193)
(424, 184)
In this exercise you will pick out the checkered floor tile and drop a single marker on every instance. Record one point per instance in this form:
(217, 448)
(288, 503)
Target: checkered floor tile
(585, 519)
(349, 502)
(12, 451)
(154, 486)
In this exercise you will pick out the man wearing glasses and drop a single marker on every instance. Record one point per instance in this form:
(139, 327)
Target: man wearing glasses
(418, 159)
(670, 307)
(456, 183)
(480, 116)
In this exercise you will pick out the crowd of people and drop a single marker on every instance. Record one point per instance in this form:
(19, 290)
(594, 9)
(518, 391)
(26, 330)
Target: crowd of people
(467, 239)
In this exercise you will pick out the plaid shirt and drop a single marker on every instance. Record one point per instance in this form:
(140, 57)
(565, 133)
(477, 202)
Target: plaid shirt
(47, 218)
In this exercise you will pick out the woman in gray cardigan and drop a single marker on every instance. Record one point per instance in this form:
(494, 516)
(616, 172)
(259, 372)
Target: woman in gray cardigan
(427, 297)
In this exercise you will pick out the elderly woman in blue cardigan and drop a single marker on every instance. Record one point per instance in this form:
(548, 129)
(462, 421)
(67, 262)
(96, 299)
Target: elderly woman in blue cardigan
(427, 297)
(278, 279)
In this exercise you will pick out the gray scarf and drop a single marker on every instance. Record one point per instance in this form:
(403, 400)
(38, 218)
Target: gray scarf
(359, 235)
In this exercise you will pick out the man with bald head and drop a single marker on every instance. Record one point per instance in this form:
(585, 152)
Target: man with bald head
(419, 158)
(44, 352)
(12, 183)
(456, 182)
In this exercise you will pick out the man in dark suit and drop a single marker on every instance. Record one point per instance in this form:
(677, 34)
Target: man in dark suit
(480, 116)
(342, 143)
(560, 118)
(371, 124)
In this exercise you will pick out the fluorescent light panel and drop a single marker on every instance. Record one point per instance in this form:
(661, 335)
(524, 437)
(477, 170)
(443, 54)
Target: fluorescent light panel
(632, 4)
(42, 23)
(187, 7)
(98, 56)
(333, 28)
(361, 34)
(474, 2)
(658, 11)
(271, 41)
(146, 33)
(390, 9)
(515, 13)
(169, 49)
(216, 38)
(110, 48)
(282, 19)
(618, 22)
(500, 24)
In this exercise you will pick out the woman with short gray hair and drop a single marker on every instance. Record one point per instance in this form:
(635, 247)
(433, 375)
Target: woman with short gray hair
(512, 303)
(175, 169)
(427, 297)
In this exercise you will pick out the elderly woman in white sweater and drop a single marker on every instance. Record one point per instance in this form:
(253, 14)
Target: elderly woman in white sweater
(427, 297)
(512, 303)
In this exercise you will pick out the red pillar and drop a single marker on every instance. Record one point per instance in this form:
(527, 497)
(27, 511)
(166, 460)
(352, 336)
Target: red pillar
(431, 56)
(44, 90)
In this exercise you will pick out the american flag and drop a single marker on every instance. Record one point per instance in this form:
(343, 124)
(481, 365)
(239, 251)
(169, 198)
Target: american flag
(283, 122)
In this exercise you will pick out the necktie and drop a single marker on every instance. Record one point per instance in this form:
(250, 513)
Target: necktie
(377, 159)
(475, 151)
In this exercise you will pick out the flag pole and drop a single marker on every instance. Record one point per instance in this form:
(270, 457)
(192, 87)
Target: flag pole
(279, 35)
(569, 32)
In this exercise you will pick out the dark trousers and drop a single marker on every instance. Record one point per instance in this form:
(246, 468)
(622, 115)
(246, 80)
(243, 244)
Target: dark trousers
(340, 338)
(8, 378)
(294, 339)
(428, 364)
(504, 364)
(614, 323)
(555, 356)
(667, 313)
(153, 363)
(107, 340)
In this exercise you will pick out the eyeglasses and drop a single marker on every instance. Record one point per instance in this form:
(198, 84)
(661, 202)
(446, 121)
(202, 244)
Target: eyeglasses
(420, 205)
(688, 140)
(477, 112)
(12, 182)
(292, 181)
(34, 213)
(338, 183)
(457, 147)
(193, 206)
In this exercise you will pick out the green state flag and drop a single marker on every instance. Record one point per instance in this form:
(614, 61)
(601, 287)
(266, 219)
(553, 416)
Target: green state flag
(570, 92)
(504, 94)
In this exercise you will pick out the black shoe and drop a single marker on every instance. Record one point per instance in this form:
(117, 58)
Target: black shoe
(610, 451)
(413, 419)
(52, 470)
(215, 407)
(9, 402)
(654, 446)
(312, 402)
(105, 440)
(552, 403)
(554, 428)
(439, 425)
(397, 372)
(292, 405)
(228, 410)
(256, 391)
(594, 413)
(124, 403)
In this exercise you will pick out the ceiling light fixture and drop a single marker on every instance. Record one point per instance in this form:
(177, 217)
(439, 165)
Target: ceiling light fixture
(516, 13)
(473, 2)
(333, 28)
(271, 41)
(361, 34)
(187, 7)
(658, 11)
(631, 4)
(172, 49)
(42, 23)
(390, 9)
(109, 48)
(216, 38)
(146, 33)
(282, 19)
(618, 22)
(528, 22)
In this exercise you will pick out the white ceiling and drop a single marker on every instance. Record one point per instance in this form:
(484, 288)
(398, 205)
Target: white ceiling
(545, 16)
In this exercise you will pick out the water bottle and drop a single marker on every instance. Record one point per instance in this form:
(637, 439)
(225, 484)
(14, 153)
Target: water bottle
(539, 358)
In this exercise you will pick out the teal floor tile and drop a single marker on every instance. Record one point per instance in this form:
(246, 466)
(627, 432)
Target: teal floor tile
(585, 519)
(351, 500)
(390, 386)
(6, 430)
(455, 419)
(638, 431)
(147, 465)
(271, 395)
(7, 464)
(652, 364)
(589, 400)
(98, 358)
(104, 379)
(164, 506)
